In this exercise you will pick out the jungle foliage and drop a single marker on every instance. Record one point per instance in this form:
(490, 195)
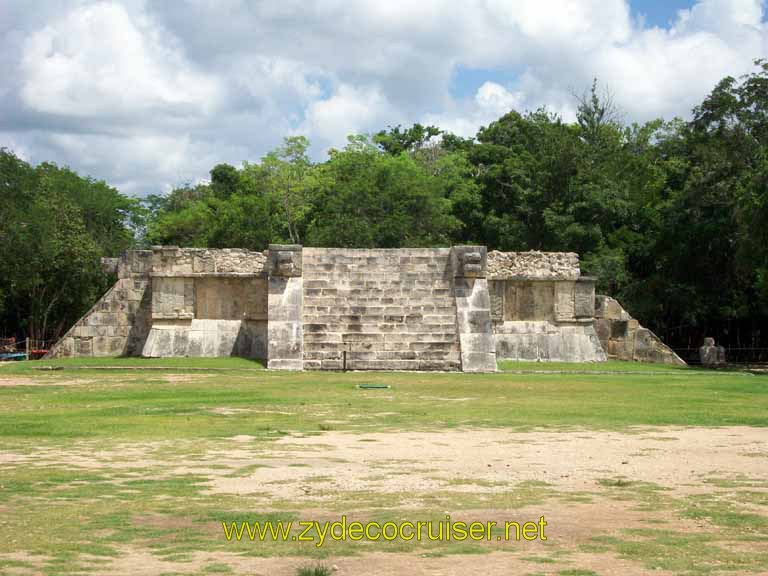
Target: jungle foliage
(671, 216)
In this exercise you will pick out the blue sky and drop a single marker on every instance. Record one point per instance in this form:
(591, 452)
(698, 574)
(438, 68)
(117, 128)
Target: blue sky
(150, 94)
(466, 81)
(658, 12)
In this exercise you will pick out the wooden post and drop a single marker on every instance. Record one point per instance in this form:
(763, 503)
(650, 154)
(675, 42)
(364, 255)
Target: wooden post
(27, 351)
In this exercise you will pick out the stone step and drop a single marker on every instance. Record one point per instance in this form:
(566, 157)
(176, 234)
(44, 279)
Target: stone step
(336, 342)
(355, 313)
(392, 338)
(366, 323)
(369, 281)
(393, 301)
(373, 280)
(391, 335)
(363, 337)
(383, 352)
(448, 353)
(342, 303)
(380, 318)
(386, 365)
(390, 342)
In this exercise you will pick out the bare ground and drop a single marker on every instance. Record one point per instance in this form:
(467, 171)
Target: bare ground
(319, 474)
(493, 460)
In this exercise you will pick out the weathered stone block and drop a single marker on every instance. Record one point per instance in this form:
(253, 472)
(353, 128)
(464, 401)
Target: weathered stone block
(469, 261)
(529, 300)
(603, 329)
(584, 298)
(474, 326)
(203, 262)
(285, 260)
(285, 334)
(116, 346)
(619, 329)
(564, 301)
(83, 346)
(712, 355)
(533, 265)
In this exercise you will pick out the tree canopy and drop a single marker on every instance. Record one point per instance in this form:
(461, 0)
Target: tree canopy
(670, 215)
(54, 227)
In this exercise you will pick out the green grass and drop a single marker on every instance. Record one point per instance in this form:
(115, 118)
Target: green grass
(246, 364)
(609, 366)
(143, 404)
(688, 553)
(231, 363)
(314, 570)
(76, 516)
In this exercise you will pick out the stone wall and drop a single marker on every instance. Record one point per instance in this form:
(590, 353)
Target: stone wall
(623, 338)
(285, 326)
(473, 309)
(206, 338)
(546, 319)
(207, 302)
(533, 265)
(456, 308)
(118, 324)
(175, 261)
(382, 309)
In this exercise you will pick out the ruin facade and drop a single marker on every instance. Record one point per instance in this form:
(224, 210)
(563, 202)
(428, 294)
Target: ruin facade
(298, 308)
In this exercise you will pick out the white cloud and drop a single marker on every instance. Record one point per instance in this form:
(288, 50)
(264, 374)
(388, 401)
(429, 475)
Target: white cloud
(489, 103)
(349, 110)
(149, 93)
(662, 72)
(652, 72)
(98, 61)
(721, 16)
(496, 100)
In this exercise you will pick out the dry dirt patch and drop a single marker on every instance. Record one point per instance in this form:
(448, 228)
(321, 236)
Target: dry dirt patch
(679, 459)
(182, 378)
(321, 475)
(379, 564)
(29, 381)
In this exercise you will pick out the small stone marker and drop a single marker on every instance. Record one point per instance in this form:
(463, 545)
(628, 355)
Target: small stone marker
(711, 355)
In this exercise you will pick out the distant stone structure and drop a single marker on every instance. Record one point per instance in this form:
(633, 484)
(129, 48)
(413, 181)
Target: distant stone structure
(542, 308)
(298, 308)
(710, 355)
(623, 338)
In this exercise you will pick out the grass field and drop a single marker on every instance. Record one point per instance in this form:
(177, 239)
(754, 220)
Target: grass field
(125, 466)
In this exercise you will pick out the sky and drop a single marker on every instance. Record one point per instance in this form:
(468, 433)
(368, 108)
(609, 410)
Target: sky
(151, 94)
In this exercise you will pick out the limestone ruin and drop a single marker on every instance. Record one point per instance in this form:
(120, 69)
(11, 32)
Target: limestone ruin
(297, 308)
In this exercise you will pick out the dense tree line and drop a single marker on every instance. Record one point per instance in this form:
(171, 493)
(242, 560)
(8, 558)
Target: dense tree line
(671, 216)
(54, 227)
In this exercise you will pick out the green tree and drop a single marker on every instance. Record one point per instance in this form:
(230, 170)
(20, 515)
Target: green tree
(288, 177)
(396, 141)
(365, 198)
(225, 180)
(54, 227)
(711, 253)
(242, 221)
(232, 211)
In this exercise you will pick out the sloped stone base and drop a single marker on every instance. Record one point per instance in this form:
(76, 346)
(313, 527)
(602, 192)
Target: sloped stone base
(544, 341)
(207, 338)
(623, 338)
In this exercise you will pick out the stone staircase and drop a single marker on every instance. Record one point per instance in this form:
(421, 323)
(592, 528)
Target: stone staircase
(379, 310)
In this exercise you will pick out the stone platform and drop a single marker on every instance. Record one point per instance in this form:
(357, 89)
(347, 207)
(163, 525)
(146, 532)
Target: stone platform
(451, 309)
